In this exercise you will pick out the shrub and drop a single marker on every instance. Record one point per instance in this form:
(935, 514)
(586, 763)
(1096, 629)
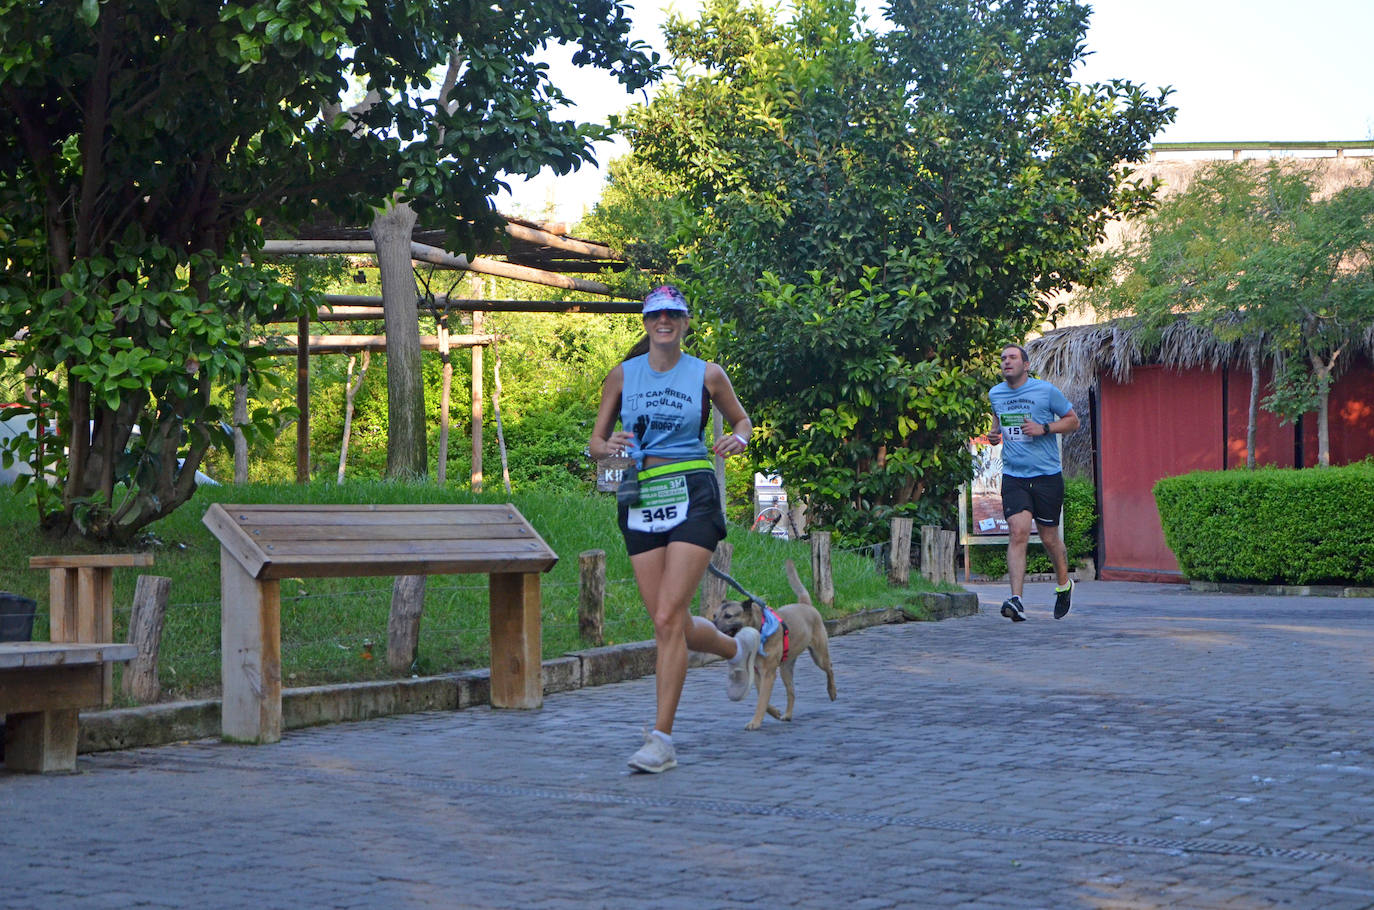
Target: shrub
(1080, 535)
(1273, 525)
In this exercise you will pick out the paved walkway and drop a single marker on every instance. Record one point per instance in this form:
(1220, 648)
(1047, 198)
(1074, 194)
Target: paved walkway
(1158, 748)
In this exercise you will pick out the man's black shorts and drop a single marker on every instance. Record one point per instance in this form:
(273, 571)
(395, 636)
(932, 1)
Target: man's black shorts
(1042, 496)
(705, 524)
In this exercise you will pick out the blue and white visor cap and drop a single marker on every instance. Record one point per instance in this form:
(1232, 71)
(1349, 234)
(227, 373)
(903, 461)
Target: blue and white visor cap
(665, 297)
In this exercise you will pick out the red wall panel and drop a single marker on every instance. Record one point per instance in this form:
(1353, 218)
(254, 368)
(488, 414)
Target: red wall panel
(1163, 422)
(1166, 422)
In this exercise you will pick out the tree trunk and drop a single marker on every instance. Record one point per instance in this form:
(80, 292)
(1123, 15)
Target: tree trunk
(403, 625)
(1323, 373)
(406, 454)
(1253, 419)
(1323, 430)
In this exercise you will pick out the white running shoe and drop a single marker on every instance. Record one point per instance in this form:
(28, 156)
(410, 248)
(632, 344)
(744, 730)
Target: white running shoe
(742, 664)
(655, 756)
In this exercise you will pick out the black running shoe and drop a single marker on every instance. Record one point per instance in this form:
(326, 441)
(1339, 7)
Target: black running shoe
(1012, 609)
(1061, 601)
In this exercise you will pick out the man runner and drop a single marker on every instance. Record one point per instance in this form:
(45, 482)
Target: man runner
(1026, 414)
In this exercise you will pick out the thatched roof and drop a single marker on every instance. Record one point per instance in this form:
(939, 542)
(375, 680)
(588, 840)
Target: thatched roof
(1074, 356)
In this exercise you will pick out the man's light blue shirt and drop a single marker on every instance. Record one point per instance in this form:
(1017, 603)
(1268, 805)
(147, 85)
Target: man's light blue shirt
(1037, 400)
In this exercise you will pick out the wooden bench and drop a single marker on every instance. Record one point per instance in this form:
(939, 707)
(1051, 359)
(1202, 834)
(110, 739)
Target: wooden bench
(262, 544)
(44, 684)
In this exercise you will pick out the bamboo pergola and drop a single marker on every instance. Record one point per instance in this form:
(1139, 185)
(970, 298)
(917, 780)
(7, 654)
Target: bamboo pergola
(534, 253)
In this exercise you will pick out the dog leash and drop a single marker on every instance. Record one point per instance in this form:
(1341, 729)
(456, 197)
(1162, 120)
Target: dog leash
(786, 633)
(734, 584)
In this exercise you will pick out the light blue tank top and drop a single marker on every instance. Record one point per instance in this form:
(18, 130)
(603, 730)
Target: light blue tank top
(664, 410)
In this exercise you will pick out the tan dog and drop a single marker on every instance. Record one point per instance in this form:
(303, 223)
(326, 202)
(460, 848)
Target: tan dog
(805, 631)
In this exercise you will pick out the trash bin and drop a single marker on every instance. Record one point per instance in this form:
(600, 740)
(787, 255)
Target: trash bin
(16, 624)
(16, 617)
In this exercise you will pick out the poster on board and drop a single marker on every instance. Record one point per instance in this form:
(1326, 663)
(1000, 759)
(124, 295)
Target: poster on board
(980, 500)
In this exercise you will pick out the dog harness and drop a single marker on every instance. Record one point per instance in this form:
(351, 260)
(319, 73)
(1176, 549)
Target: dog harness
(772, 624)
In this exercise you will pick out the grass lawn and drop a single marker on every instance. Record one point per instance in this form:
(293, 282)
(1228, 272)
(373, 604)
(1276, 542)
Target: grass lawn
(335, 629)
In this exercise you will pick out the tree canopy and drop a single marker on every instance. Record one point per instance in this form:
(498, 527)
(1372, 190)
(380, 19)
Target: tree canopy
(872, 214)
(144, 143)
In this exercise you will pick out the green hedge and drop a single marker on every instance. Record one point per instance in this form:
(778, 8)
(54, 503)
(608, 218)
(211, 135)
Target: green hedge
(1080, 536)
(1273, 525)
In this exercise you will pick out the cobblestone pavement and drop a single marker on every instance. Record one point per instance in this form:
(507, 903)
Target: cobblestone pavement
(1157, 748)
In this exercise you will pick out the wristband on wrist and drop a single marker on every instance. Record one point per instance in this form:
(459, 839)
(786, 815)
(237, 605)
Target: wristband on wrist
(742, 441)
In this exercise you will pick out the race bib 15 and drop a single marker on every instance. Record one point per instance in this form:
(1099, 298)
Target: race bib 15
(1012, 426)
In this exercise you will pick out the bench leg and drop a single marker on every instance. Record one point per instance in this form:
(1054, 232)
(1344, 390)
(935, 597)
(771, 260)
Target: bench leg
(250, 661)
(516, 668)
(41, 742)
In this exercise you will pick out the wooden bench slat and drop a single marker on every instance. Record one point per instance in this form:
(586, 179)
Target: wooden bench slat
(34, 695)
(279, 533)
(93, 561)
(14, 654)
(397, 515)
(381, 551)
(362, 508)
(328, 566)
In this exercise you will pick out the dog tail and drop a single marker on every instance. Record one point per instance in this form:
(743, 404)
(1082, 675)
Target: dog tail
(793, 579)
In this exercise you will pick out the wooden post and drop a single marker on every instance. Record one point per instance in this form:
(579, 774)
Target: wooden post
(820, 568)
(403, 623)
(899, 558)
(516, 674)
(250, 654)
(937, 554)
(145, 633)
(711, 593)
(496, 412)
(445, 358)
(591, 596)
(351, 387)
(476, 477)
(303, 400)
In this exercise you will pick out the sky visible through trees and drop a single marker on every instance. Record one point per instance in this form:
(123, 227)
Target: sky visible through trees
(1243, 70)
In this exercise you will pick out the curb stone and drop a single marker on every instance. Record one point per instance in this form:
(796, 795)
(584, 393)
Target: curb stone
(309, 706)
(1229, 587)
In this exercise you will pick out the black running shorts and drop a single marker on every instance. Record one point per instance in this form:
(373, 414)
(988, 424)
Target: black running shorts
(705, 524)
(1042, 496)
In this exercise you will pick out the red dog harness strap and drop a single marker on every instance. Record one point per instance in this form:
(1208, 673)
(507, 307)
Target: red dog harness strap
(773, 622)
